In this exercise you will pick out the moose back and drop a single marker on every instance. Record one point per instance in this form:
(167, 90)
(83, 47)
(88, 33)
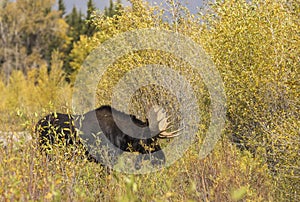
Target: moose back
(106, 133)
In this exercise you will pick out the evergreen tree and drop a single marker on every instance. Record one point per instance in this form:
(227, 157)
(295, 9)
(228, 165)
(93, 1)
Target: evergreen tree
(76, 24)
(113, 9)
(90, 9)
(90, 28)
(61, 7)
(80, 25)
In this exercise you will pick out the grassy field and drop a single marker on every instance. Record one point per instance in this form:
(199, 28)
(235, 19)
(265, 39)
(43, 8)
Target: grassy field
(227, 174)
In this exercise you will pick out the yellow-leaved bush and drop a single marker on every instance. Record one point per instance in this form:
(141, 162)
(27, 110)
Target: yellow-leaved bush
(256, 47)
(28, 97)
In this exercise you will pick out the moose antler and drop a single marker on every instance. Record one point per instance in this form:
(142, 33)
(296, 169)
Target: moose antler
(159, 124)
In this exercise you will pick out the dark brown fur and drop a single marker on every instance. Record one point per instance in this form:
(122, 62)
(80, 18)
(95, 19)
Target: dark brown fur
(102, 121)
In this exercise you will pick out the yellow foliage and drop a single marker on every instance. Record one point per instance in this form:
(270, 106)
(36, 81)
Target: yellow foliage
(255, 46)
(37, 91)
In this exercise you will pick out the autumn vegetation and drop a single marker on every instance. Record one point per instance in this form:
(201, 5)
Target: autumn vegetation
(253, 44)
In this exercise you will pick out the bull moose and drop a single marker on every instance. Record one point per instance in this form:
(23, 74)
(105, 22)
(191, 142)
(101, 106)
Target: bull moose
(118, 132)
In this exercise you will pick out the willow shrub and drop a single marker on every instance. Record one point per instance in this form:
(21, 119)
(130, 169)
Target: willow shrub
(28, 97)
(256, 47)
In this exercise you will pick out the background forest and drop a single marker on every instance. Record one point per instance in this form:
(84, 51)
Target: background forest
(255, 47)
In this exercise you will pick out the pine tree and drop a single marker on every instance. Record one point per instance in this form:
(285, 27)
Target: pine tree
(90, 28)
(76, 24)
(61, 7)
(90, 9)
(72, 17)
(113, 9)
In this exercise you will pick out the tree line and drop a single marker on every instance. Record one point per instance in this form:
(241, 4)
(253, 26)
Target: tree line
(31, 30)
